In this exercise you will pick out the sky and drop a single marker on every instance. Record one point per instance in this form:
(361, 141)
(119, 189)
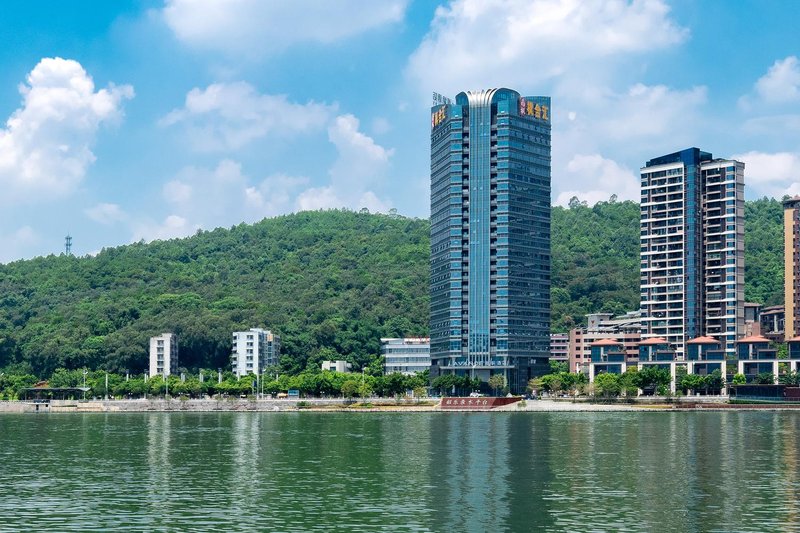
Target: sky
(140, 120)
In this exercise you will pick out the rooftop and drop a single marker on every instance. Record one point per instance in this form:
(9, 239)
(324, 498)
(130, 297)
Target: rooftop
(654, 341)
(703, 340)
(754, 338)
(606, 342)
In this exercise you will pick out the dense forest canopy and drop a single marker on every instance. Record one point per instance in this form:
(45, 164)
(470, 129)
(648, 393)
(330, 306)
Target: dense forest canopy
(331, 283)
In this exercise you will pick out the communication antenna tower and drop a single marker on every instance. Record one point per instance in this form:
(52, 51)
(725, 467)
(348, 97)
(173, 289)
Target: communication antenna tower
(68, 245)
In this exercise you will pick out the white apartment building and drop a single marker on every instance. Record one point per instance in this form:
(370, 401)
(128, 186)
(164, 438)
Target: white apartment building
(163, 354)
(337, 366)
(406, 355)
(692, 249)
(253, 351)
(559, 347)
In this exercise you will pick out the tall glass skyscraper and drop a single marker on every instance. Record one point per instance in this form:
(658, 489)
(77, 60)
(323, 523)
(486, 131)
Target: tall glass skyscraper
(692, 248)
(490, 236)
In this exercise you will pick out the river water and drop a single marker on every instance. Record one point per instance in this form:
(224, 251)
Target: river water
(686, 471)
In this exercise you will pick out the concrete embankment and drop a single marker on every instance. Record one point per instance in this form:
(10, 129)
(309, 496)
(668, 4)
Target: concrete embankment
(336, 405)
(209, 405)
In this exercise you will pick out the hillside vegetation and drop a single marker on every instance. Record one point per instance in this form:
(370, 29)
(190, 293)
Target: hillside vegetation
(331, 283)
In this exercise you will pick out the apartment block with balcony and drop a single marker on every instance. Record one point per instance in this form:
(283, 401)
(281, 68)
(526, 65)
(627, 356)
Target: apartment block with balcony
(559, 347)
(163, 355)
(253, 351)
(692, 249)
(791, 250)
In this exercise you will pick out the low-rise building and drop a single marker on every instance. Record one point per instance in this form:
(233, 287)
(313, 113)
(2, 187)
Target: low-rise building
(752, 316)
(163, 355)
(657, 352)
(608, 356)
(625, 329)
(337, 366)
(559, 347)
(704, 355)
(755, 355)
(407, 355)
(253, 351)
(794, 352)
(773, 323)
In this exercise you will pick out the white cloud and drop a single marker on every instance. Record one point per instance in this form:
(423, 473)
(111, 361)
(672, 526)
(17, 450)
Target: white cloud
(326, 198)
(18, 244)
(781, 83)
(177, 192)
(224, 195)
(45, 148)
(253, 28)
(489, 43)
(630, 125)
(773, 125)
(380, 125)
(106, 214)
(274, 195)
(600, 178)
(226, 116)
(319, 198)
(360, 166)
(650, 111)
(360, 157)
(172, 227)
(771, 174)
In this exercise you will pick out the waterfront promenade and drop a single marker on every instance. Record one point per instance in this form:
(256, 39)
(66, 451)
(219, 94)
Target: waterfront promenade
(333, 405)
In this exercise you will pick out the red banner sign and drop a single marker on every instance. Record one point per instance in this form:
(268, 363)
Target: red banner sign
(476, 404)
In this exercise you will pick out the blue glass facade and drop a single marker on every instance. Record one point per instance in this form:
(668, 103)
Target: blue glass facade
(490, 236)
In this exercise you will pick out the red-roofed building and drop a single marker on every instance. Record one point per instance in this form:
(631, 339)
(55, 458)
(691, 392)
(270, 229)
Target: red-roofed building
(756, 356)
(608, 356)
(624, 328)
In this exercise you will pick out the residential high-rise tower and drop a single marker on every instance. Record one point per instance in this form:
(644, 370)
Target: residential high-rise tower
(490, 235)
(791, 237)
(692, 248)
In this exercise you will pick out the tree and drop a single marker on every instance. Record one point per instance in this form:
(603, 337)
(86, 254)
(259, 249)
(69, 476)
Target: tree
(739, 379)
(715, 381)
(607, 385)
(535, 385)
(551, 383)
(350, 388)
(791, 378)
(629, 382)
(496, 382)
(692, 383)
(651, 379)
(557, 367)
(765, 378)
(365, 389)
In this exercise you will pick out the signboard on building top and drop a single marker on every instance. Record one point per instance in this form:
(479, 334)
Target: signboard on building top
(438, 116)
(529, 108)
(439, 99)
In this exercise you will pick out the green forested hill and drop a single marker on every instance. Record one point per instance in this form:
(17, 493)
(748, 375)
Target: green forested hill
(329, 282)
(326, 281)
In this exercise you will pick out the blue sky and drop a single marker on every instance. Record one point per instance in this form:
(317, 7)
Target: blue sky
(148, 120)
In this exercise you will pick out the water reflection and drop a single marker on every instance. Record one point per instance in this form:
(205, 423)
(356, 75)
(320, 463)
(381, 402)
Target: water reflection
(401, 472)
(469, 471)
